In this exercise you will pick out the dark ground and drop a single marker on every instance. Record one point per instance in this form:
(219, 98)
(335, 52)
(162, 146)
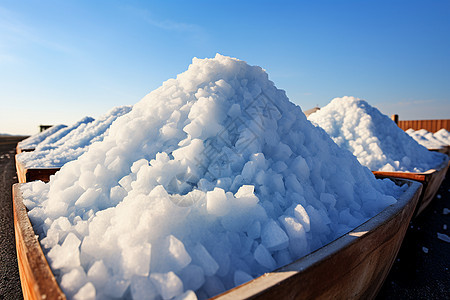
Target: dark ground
(414, 275)
(9, 273)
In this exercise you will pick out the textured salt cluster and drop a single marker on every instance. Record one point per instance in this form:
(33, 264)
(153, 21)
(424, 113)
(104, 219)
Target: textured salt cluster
(34, 140)
(69, 143)
(443, 135)
(426, 138)
(373, 138)
(211, 180)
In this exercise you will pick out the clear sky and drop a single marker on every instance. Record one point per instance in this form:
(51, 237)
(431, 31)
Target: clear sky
(63, 60)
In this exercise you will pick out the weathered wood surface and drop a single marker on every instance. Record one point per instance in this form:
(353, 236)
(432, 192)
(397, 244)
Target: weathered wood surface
(36, 277)
(32, 174)
(430, 179)
(352, 267)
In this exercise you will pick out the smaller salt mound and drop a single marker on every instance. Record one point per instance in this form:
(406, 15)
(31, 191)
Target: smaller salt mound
(443, 135)
(48, 142)
(425, 138)
(372, 137)
(34, 140)
(60, 148)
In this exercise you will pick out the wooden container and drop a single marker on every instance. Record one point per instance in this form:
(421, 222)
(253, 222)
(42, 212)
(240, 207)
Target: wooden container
(32, 174)
(430, 179)
(36, 277)
(353, 266)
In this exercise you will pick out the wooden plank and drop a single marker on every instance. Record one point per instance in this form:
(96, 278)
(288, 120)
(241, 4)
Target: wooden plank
(32, 174)
(430, 179)
(352, 267)
(36, 277)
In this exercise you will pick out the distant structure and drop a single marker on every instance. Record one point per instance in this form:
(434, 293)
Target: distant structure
(310, 111)
(44, 127)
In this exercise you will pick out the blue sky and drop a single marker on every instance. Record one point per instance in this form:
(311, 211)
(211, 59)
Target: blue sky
(63, 60)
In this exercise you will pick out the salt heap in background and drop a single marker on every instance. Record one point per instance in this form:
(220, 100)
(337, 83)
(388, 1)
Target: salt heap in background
(426, 138)
(69, 143)
(373, 138)
(211, 180)
(34, 140)
(443, 135)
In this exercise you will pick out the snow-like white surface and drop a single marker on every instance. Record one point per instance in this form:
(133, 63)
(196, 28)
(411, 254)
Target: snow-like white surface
(443, 135)
(69, 143)
(373, 138)
(211, 180)
(426, 138)
(34, 140)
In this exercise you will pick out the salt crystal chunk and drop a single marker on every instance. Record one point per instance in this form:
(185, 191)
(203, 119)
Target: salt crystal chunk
(254, 231)
(297, 235)
(88, 198)
(176, 253)
(204, 259)
(216, 202)
(246, 195)
(241, 277)
(142, 288)
(87, 292)
(72, 281)
(213, 286)
(193, 277)
(302, 216)
(67, 255)
(136, 259)
(168, 284)
(98, 274)
(264, 258)
(273, 237)
(116, 286)
(425, 249)
(300, 168)
(234, 111)
(188, 295)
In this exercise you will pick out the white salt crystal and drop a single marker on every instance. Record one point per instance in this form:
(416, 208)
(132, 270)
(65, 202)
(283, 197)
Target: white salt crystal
(142, 288)
(273, 237)
(425, 249)
(302, 216)
(116, 286)
(72, 281)
(98, 274)
(216, 202)
(188, 295)
(213, 286)
(241, 277)
(176, 253)
(168, 284)
(444, 226)
(446, 211)
(87, 292)
(88, 198)
(264, 258)
(67, 255)
(204, 259)
(193, 277)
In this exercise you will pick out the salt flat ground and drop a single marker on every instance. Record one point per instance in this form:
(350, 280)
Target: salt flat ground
(414, 275)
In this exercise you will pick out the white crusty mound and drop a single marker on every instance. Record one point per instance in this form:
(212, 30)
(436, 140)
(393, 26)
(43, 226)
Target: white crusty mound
(443, 135)
(372, 137)
(211, 180)
(34, 140)
(426, 138)
(58, 149)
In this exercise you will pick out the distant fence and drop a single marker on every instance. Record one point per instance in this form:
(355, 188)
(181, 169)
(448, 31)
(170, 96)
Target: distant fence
(429, 125)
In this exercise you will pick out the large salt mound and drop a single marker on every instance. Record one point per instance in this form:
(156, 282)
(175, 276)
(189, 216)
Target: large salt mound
(372, 137)
(425, 138)
(60, 148)
(211, 180)
(34, 140)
